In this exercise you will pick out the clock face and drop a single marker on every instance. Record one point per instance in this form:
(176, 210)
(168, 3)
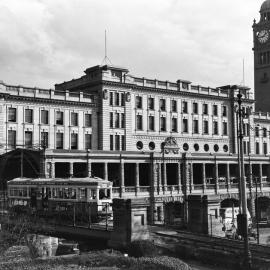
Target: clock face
(263, 36)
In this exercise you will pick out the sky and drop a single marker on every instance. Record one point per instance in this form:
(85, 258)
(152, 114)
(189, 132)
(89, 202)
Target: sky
(43, 42)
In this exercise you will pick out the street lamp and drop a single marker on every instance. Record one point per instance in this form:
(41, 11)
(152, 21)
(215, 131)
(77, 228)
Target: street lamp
(243, 215)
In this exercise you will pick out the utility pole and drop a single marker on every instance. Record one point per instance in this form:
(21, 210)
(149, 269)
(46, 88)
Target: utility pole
(247, 254)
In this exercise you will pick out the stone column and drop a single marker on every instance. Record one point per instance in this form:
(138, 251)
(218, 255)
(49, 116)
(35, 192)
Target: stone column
(70, 169)
(191, 177)
(159, 178)
(216, 178)
(261, 175)
(122, 177)
(179, 184)
(52, 172)
(164, 176)
(203, 176)
(228, 177)
(106, 170)
(89, 168)
(154, 176)
(137, 178)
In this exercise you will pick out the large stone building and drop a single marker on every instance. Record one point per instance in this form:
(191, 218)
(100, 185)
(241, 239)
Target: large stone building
(158, 140)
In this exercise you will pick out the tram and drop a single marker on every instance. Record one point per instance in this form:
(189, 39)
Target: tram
(86, 195)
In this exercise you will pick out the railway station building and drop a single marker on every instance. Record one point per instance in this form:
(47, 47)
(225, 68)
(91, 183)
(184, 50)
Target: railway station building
(158, 140)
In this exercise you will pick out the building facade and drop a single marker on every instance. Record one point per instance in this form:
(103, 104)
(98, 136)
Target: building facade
(158, 140)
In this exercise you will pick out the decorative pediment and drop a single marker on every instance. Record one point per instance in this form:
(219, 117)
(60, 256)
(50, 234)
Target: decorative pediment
(170, 145)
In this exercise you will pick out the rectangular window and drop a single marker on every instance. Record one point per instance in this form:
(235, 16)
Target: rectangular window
(122, 99)
(205, 108)
(224, 111)
(111, 142)
(117, 142)
(117, 99)
(205, 127)
(224, 128)
(139, 122)
(215, 110)
(264, 132)
(44, 139)
(174, 124)
(162, 123)
(88, 141)
(123, 141)
(195, 126)
(12, 139)
(123, 120)
(59, 140)
(111, 98)
(88, 120)
(162, 104)
(184, 107)
(138, 102)
(74, 141)
(28, 139)
(74, 119)
(117, 120)
(174, 106)
(257, 132)
(265, 148)
(185, 125)
(59, 118)
(257, 146)
(151, 123)
(44, 117)
(12, 115)
(195, 108)
(28, 116)
(111, 120)
(215, 128)
(151, 105)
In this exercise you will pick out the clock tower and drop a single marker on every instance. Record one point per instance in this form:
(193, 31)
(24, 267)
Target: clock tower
(261, 48)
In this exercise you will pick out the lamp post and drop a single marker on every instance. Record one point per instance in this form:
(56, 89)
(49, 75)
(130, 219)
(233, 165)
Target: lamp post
(247, 254)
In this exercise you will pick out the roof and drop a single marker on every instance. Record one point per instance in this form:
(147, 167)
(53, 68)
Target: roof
(55, 181)
(265, 6)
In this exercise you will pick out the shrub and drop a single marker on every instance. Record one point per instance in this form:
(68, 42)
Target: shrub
(142, 248)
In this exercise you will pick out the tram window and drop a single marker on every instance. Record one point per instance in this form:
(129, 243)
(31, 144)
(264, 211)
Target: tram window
(61, 193)
(104, 194)
(93, 194)
(82, 193)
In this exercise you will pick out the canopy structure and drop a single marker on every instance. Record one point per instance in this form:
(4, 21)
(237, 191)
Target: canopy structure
(20, 163)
